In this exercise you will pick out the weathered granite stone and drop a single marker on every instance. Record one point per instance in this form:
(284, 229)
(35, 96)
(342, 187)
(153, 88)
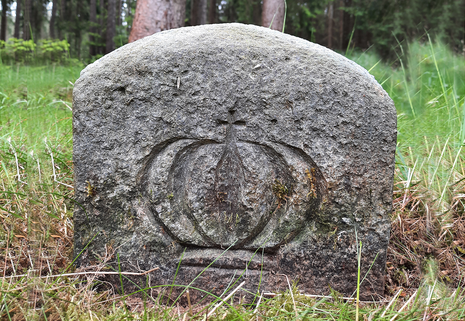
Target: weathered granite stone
(197, 140)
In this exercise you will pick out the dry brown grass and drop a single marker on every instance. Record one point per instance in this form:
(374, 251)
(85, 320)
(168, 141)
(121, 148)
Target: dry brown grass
(421, 231)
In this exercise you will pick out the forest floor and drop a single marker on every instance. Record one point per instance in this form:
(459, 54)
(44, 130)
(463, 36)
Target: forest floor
(426, 254)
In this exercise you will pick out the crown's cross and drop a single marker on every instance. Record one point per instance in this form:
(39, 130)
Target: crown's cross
(232, 123)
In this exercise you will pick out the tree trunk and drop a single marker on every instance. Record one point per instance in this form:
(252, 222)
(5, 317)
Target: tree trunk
(52, 19)
(93, 25)
(62, 9)
(198, 12)
(27, 20)
(341, 25)
(347, 26)
(102, 26)
(212, 11)
(111, 17)
(157, 15)
(61, 20)
(102, 14)
(35, 28)
(119, 4)
(273, 14)
(77, 29)
(4, 17)
(129, 14)
(17, 19)
(256, 12)
(330, 26)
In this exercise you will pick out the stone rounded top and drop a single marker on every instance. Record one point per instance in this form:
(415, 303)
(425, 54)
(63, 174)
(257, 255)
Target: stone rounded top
(225, 40)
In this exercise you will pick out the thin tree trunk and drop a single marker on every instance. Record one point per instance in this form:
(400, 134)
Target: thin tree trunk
(77, 34)
(348, 25)
(102, 9)
(110, 45)
(341, 24)
(17, 19)
(93, 25)
(212, 11)
(35, 28)
(198, 12)
(102, 26)
(61, 19)
(256, 12)
(157, 15)
(27, 20)
(119, 4)
(129, 14)
(273, 14)
(53, 18)
(330, 26)
(4, 17)
(77, 30)
(62, 8)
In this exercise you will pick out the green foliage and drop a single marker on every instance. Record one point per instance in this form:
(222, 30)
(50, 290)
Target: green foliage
(54, 50)
(95, 58)
(386, 23)
(18, 50)
(95, 39)
(121, 37)
(24, 52)
(305, 18)
(247, 11)
(383, 24)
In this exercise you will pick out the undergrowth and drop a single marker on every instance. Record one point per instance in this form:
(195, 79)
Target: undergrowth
(428, 89)
(426, 255)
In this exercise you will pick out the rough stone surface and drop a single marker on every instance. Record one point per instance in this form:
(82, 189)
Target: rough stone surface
(197, 140)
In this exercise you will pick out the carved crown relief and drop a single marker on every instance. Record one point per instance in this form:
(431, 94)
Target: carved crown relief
(210, 193)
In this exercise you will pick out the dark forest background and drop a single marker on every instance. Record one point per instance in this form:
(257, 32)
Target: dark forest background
(95, 27)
